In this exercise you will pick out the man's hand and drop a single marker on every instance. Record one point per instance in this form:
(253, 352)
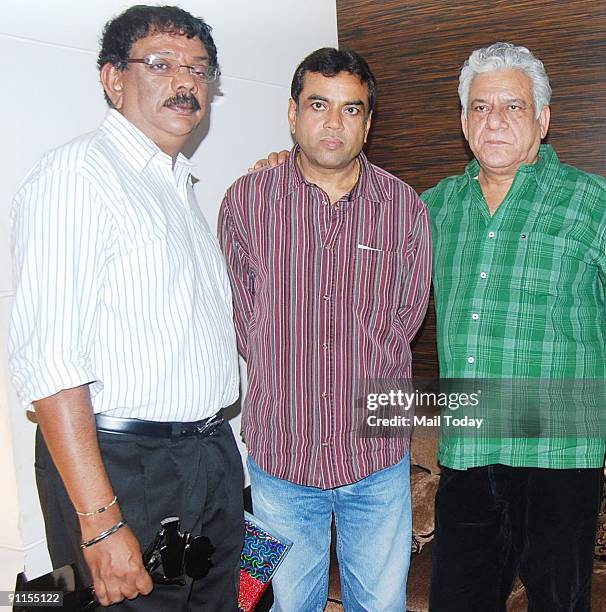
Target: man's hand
(67, 423)
(117, 569)
(273, 159)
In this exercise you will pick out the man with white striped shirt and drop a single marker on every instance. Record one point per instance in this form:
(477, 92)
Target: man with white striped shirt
(121, 334)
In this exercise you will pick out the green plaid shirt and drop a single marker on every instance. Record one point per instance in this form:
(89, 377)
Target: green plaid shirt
(521, 294)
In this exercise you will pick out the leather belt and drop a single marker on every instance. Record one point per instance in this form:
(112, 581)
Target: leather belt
(159, 429)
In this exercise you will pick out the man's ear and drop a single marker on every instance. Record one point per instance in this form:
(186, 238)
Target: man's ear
(112, 80)
(292, 115)
(544, 117)
(367, 126)
(464, 124)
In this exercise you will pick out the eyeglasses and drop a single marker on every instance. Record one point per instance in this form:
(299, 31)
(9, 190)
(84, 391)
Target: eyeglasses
(159, 65)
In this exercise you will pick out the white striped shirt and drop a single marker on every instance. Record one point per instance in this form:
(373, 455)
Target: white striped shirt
(121, 284)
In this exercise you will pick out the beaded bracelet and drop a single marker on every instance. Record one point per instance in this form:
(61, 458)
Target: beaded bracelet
(103, 535)
(99, 510)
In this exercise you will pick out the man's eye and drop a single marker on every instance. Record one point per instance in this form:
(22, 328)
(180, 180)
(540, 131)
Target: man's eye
(317, 105)
(352, 110)
(199, 71)
(514, 107)
(159, 66)
(480, 108)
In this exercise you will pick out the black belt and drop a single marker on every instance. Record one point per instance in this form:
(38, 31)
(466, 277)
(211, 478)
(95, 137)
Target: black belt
(159, 429)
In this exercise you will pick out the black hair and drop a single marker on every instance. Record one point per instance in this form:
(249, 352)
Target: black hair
(329, 62)
(121, 32)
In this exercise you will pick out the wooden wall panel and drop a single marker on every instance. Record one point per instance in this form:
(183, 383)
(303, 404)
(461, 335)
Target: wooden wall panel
(416, 50)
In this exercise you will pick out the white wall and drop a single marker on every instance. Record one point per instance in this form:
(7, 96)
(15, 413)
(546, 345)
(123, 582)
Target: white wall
(51, 94)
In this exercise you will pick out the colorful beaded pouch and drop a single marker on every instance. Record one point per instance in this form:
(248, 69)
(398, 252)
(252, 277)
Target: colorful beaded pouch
(262, 553)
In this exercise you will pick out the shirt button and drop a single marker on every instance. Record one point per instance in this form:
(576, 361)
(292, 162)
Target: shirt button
(324, 394)
(475, 316)
(491, 234)
(337, 206)
(324, 444)
(471, 359)
(483, 275)
(325, 298)
(325, 345)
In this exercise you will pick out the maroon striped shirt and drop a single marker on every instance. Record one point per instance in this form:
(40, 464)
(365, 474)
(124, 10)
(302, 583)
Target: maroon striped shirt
(324, 296)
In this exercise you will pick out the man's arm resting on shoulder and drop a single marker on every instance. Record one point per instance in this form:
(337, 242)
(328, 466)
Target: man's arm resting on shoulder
(67, 423)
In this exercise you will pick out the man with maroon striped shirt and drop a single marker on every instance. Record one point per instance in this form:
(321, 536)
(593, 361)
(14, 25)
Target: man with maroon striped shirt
(329, 258)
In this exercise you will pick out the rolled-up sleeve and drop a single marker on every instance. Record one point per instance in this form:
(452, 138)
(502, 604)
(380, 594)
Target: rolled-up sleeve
(59, 234)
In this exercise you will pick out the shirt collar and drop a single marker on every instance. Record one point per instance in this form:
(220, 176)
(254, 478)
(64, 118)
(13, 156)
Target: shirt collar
(134, 146)
(367, 186)
(543, 171)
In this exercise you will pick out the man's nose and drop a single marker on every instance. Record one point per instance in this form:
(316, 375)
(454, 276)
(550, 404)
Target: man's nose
(184, 79)
(333, 119)
(496, 118)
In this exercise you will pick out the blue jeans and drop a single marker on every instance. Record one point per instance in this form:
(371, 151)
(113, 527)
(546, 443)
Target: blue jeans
(374, 530)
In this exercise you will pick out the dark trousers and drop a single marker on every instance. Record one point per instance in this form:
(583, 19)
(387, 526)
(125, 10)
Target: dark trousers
(495, 521)
(198, 480)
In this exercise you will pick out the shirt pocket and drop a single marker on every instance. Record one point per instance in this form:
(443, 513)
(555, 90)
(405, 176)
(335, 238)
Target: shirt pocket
(528, 263)
(143, 225)
(380, 276)
(547, 265)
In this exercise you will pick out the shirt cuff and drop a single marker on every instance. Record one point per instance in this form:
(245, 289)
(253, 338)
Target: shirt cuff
(52, 374)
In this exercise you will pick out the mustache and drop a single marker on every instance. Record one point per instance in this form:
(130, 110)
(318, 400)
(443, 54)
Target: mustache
(183, 99)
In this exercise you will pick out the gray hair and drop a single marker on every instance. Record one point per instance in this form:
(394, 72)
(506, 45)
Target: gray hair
(505, 56)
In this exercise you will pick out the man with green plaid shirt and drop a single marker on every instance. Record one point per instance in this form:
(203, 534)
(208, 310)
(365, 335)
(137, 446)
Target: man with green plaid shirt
(519, 281)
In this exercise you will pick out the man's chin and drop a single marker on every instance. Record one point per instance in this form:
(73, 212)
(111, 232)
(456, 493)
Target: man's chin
(181, 125)
(334, 161)
(495, 159)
